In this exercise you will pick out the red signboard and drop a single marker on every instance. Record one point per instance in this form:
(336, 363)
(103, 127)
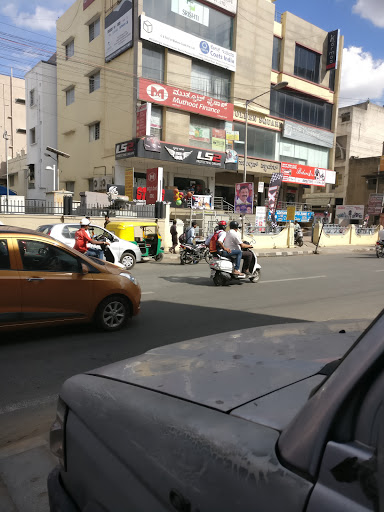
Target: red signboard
(141, 121)
(152, 184)
(184, 100)
(304, 174)
(87, 3)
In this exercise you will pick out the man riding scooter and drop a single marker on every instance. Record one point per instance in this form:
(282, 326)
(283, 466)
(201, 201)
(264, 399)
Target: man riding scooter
(230, 249)
(234, 243)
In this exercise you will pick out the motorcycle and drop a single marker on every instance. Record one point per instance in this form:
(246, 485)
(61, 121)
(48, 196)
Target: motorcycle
(380, 249)
(190, 253)
(222, 270)
(298, 237)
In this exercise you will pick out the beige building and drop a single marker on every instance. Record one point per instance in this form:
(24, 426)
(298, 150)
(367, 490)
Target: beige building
(12, 120)
(195, 68)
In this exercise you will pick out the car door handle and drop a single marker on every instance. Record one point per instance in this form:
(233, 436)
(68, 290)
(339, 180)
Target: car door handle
(36, 279)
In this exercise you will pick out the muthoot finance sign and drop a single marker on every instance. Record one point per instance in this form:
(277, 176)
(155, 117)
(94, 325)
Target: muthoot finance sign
(170, 37)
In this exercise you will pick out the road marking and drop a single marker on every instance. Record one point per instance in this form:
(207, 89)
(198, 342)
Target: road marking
(146, 293)
(26, 404)
(291, 279)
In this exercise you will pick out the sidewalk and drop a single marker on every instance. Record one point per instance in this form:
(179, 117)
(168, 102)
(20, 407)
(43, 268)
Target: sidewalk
(307, 249)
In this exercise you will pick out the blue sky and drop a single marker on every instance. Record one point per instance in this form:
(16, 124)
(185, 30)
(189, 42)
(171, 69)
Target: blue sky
(27, 35)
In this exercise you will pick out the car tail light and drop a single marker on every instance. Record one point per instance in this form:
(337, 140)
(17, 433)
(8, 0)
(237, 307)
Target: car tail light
(57, 433)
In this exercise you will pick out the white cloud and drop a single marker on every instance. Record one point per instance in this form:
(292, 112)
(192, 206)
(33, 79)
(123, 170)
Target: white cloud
(362, 77)
(42, 19)
(372, 10)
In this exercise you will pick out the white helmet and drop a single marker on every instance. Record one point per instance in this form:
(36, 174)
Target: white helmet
(85, 222)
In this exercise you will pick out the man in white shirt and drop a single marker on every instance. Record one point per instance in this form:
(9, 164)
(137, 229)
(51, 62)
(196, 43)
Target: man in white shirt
(234, 243)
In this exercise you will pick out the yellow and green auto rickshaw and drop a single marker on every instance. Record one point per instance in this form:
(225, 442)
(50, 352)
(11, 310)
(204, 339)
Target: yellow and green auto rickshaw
(145, 234)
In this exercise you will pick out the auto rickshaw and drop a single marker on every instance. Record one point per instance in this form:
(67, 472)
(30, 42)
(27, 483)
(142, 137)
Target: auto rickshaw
(145, 234)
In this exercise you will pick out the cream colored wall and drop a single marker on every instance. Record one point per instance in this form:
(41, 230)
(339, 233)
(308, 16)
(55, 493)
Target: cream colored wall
(17, 168)
(111, 105)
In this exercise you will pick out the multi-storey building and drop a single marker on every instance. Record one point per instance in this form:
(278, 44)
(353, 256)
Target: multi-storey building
(40, 84)
(193, 64)
(12, 120)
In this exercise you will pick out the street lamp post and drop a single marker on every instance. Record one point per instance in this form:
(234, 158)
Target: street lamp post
(52, 168)
(5, 136)
(275, 87)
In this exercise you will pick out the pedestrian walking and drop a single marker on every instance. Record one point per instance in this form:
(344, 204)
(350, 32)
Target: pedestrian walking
(106, 221)
(174, 237)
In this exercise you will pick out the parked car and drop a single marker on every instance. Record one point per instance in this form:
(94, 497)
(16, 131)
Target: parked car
(123, 251)
(269, 419)
(45, 282)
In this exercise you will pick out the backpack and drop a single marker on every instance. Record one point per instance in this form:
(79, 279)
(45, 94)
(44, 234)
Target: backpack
(213, 241)
(183, 238)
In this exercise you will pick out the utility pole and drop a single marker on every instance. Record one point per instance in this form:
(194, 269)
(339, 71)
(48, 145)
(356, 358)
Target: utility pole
(5, 136)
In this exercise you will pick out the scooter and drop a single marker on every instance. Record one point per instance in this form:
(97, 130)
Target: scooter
(108, 255)
(298, 237)
(380, 249)
(222, 270)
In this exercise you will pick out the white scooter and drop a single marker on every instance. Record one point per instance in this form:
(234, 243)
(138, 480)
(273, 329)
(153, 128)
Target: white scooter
(222, 270)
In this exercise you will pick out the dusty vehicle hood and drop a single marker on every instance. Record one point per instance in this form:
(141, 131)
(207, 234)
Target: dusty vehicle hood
(227, 370)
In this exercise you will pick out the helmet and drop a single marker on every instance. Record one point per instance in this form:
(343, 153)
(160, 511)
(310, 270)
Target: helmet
(234, 225)
(85, 222)
(222, 223)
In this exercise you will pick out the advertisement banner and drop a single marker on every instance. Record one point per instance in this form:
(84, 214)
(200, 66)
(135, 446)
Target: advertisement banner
(261, 216)
(200, 133)
(226, 5)
(350, 212)
(129, 174)
(244, 198)
(231, 135)
(184, 100)
(188, 44)
(332, 51)
(375, 204)
(143, 116)
(304, 174)
(202, 202)
(273, 193)
(87, 3)
(300, 216)
(218, 144)
(154, 185)
(260, 187)
(118, 30)
(291, 211)
(191, 10)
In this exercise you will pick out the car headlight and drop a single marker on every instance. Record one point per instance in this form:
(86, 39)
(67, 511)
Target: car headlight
(130, 277)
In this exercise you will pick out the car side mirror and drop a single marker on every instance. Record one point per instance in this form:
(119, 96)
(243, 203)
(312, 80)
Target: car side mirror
(84, 269)
(115, 239)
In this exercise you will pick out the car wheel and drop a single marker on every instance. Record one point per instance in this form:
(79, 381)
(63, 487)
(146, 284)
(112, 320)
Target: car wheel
(113, 313)
(128, 260)
(256, 277)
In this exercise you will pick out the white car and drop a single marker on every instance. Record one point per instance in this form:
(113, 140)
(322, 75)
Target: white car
(124, 252)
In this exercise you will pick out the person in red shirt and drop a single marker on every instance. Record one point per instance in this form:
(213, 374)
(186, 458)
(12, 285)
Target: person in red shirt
(82, 239)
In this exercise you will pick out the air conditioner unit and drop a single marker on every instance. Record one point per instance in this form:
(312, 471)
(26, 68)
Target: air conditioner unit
(104, 182)
(96, 184)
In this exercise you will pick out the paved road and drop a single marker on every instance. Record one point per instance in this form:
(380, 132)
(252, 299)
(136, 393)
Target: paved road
(179, 303)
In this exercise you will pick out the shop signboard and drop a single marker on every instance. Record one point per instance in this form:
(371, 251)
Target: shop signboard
(154, 185)
(143, 117)
(258, 119)
(253, 164)
(184, 100)
(226, 5)
(332, 50)
(188, 44)
(261, 216)
(118, 30)
(308, 134)
(300, 216)
(375, 204)
(349, 212)
(218, 144)
(201, 202)
(191, 10)
(129, 176)
(244, 198)
(304, 174)
(260, 187)
(231, 135)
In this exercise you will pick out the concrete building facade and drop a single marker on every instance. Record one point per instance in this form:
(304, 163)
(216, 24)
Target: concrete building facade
(12, 120)
(195, 65)
(40, 85)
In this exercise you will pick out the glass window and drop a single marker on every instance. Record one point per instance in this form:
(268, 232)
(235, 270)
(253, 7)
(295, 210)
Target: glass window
(32, 136)
(94, 82)
(70, 49)
(45, 257)
(276, 53)
(194, 18)
(332, 75)
(202, 129)
(152, 62)
(70, 96)
(94, 29)
(94, 132)
(307, 64)
(261, 143)
(69, 231)
(157, 121)
(70, 186)
(301, 108)
(210, 80)
(4, 256)
(302, 152)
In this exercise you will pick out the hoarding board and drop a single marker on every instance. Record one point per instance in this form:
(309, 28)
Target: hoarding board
(118, 30)
(304, 174)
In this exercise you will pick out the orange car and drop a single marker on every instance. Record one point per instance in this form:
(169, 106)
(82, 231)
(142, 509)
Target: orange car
(44, 282)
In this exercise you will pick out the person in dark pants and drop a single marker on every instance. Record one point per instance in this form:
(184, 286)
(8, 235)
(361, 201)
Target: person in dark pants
(174, 237)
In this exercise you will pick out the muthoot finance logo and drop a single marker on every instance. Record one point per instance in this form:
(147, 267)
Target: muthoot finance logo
(157, 92)
(204, 47)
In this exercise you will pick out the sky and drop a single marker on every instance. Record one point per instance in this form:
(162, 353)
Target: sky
(27, 35)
